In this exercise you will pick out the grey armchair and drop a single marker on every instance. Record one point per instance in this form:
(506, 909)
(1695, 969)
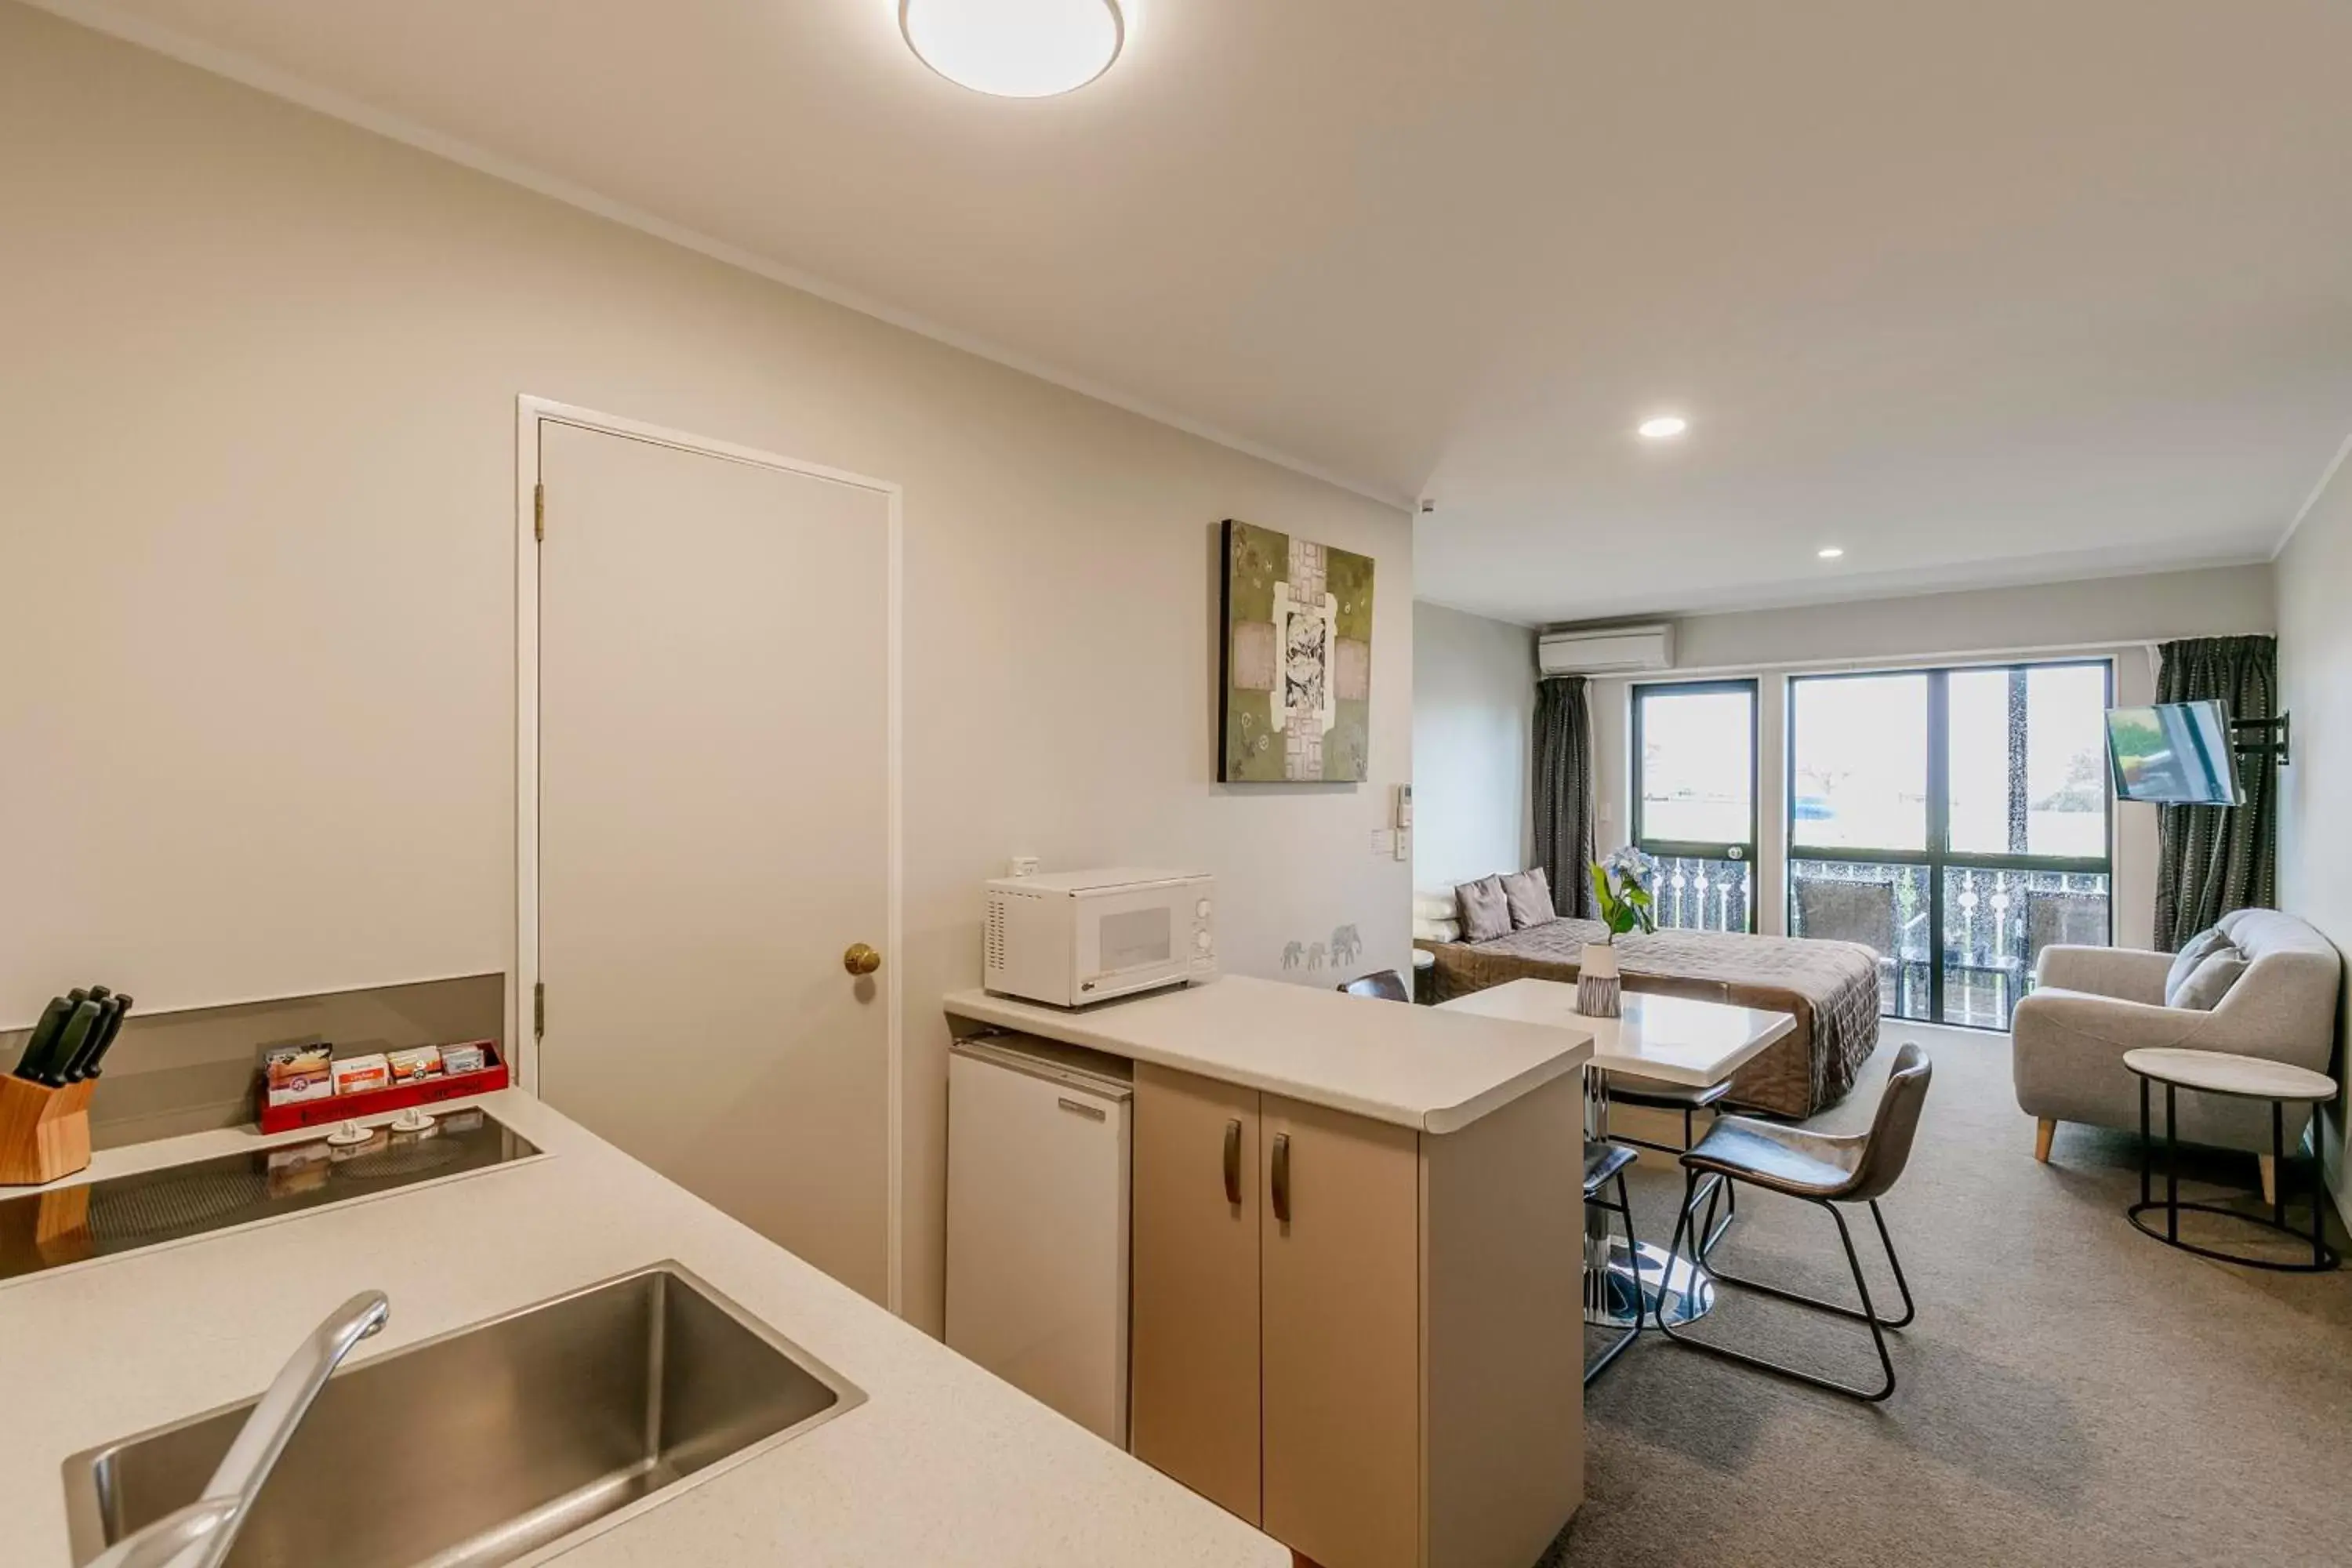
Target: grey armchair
(2093, 1003)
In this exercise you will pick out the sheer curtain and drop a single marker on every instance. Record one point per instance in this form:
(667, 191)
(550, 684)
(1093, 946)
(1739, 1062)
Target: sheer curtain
(2211, 859)
(1563, 791)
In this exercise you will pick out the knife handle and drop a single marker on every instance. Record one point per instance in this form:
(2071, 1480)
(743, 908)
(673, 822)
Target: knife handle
(110, 1012)
(69, 1044)
(113, 1027)
(43, 1037)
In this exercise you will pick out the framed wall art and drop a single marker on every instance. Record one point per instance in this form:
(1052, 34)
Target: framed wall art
(1296, 702)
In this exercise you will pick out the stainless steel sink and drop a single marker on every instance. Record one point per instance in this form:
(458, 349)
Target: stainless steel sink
(492, 1442)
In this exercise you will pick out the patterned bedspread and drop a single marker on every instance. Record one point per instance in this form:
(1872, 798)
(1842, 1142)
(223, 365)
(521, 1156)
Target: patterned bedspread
(1831, 986)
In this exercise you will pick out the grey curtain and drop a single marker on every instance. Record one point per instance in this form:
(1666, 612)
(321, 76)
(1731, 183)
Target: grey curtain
(1563, 793)
(2211, 859)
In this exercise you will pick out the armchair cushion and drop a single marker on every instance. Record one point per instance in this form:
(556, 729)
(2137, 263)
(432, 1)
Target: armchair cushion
(2193, 951)
(2208, 982)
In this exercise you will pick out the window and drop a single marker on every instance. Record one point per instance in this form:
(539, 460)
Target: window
(1954, 820)
(1694, 749)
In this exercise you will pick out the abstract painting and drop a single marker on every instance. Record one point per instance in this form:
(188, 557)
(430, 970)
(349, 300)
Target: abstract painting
(1297, 698)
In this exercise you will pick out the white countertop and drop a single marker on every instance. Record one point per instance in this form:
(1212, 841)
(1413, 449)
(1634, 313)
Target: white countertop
(942, 1465)
(1422, 1067)
(1675, 1039)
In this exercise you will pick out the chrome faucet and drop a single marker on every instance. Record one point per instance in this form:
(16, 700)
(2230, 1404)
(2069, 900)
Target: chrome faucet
(199, 1535)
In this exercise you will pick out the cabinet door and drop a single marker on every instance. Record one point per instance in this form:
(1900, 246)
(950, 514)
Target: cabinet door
(1341, 1298)
(1193, 1377)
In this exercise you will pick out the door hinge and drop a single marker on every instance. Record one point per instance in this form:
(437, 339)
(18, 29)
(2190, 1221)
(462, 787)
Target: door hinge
(538, 1009)
(539, 512)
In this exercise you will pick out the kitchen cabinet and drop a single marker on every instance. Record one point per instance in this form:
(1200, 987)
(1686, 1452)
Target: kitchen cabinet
(1364, 1339)
(1193, 1366)
(1341, 1346)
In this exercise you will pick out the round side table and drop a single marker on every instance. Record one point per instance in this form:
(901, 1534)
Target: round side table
(2240, 1078)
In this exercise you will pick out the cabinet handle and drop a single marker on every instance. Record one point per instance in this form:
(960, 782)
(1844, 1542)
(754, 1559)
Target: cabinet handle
(1282, 1177)
(1233, 1162)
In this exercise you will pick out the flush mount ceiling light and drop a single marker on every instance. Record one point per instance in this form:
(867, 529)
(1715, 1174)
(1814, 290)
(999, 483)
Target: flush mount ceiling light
(1663, 427)
(1830, 552)
(1015, 49)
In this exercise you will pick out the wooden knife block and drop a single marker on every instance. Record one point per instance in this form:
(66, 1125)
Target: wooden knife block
(44, 1132)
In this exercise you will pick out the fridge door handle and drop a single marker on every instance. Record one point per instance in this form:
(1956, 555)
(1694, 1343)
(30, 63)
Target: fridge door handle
(1233, 1162)
(1281, 1184)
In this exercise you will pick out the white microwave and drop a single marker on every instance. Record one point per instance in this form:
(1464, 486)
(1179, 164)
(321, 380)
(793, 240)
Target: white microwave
(1073, 937)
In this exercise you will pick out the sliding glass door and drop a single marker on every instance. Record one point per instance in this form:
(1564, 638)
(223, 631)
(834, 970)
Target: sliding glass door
(1694, 749)
(1956, 821)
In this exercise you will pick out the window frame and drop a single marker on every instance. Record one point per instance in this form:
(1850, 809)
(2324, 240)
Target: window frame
(1939, 856)
(1690, 849)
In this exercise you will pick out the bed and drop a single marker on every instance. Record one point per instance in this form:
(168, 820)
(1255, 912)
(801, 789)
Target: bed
(1831, 986)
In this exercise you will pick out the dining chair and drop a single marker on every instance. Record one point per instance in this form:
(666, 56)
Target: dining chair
(1386, 984)
(1605, 1162)
(1825, 1170)
(1657, 1094)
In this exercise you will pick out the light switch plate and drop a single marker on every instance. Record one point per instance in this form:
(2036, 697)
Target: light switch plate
(1404, 844)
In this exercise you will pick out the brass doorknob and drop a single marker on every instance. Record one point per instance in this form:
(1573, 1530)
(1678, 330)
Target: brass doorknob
(861, 959)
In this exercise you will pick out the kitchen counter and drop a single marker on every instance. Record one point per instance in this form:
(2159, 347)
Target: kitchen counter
(941, 1464)
(1421, 1068)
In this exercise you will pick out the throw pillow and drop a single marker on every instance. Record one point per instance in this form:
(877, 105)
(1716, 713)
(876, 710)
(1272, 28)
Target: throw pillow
(1485, 913)
(1447, 929)
(2193, 951)
(1528, 896)
(2211, 982)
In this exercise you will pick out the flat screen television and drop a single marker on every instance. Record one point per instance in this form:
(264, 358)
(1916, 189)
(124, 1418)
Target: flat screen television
(2175, 754)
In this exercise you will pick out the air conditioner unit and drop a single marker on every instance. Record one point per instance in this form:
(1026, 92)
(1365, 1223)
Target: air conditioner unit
(1611, 650)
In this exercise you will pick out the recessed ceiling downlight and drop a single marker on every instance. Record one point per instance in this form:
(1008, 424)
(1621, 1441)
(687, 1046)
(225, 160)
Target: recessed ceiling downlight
(1015, 49)
(1831, 552)
(1664, 427)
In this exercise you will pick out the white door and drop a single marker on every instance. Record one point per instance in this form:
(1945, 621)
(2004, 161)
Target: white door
(714, 832)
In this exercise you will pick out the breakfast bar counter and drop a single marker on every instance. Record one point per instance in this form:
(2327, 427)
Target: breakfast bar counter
(1421, 1068)
(1357, 1263)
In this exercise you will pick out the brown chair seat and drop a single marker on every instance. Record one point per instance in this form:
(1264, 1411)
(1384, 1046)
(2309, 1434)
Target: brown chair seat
(1386, 985)
(1779, 1159)
(1627, 1089)
(1602, 1161)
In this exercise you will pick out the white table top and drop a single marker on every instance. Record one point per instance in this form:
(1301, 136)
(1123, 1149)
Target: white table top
(1674, 1039)
(1421, 1068)
(2220, 1072)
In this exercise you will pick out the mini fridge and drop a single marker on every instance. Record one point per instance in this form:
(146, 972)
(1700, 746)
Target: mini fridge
(1038, 1221)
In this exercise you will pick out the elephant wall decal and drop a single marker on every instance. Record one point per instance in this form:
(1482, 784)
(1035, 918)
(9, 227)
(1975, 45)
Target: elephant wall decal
(1347, 946)
(1294, 954)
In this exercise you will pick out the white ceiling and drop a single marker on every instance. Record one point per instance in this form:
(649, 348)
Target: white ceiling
(1983, 292)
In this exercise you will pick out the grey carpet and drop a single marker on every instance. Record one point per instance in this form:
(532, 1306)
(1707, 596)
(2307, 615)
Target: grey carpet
(2073, 1392)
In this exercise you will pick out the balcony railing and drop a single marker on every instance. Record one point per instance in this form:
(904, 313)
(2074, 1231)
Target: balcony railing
(1996, 922)
(1695, 894)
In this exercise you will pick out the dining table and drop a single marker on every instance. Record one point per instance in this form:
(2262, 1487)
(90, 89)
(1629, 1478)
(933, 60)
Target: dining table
(1685, 1041)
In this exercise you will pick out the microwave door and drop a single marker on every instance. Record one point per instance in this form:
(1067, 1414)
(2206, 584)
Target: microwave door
(1129, 938)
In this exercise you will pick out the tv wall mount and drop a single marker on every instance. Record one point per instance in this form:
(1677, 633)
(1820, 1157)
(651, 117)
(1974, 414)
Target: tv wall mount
(2261, 740)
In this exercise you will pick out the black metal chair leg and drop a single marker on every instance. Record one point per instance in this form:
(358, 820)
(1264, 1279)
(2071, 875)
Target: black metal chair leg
(1624, 1209)
(1713, 1229)
(1895, 1263)
(1867, 1315)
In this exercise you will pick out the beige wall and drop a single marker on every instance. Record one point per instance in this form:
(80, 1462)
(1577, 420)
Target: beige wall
(2115, 618)
(2103, 613)
(257, 461)
(2314, 577)
(1473, 705)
